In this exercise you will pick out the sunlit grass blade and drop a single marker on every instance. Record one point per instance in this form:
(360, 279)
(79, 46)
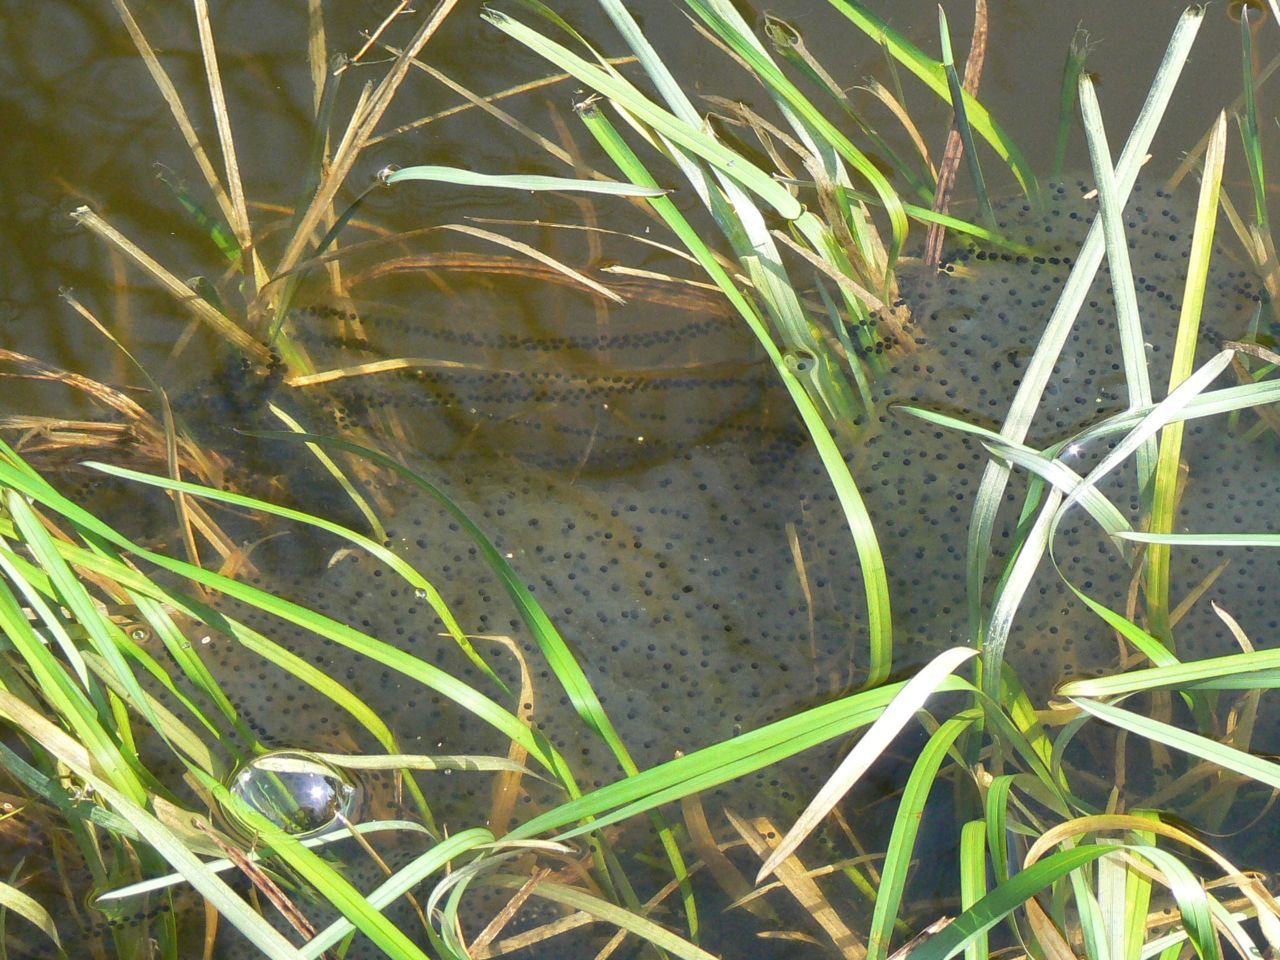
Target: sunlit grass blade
(1245, 764)
(714, 765)
(1164, 501)
(481, 706)
(401, 882)
(729, 26)
(973, 879)
(1133, 348)
(1039, 369)
(872, 744)
(523, 182)
(629, 98)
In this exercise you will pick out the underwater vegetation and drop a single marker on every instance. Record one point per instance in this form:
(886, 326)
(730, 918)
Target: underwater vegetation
(775, 582)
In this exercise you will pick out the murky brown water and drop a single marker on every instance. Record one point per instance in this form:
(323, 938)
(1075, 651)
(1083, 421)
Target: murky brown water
(701, 601)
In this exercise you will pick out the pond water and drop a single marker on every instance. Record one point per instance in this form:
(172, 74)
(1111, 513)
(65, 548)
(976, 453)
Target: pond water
(636, 463)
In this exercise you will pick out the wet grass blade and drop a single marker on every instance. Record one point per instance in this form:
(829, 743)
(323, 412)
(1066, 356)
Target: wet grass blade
(1164, 501)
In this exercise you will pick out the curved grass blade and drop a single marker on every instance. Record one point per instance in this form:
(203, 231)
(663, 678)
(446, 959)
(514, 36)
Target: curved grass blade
(1247, 765)
(870, 559)
(1040, 367)
(25, 906)
(724, 160)
(559, 657)
(400, 883)
(397, 563)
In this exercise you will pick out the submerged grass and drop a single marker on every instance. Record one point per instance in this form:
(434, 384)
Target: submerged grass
(87, 736)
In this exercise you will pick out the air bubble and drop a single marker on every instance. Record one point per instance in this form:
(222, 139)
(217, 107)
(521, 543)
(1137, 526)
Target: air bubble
(297, 792)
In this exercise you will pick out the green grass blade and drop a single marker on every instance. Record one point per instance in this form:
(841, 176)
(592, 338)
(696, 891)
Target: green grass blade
(931, 73)
(1004, 899)
(1247, 765)
(1075, 290)
(421, 585)
(267, 939)
(870, 559)
(956, 91)
(1164, 501)
(400, 883)
(1250, 132)
(1077, 50)
(630, 99)
(560, 658)
(729, 26)
(906, 827)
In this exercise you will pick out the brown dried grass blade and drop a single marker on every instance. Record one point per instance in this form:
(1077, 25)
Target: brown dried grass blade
(239, 218)
(179, 290)
(368, 115)
(954, 151)
(763, 838)
(170, 94)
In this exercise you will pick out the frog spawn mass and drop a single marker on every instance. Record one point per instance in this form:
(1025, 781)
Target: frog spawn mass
(716, 588)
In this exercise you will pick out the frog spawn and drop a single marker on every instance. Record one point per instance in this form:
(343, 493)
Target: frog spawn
(716, 590)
